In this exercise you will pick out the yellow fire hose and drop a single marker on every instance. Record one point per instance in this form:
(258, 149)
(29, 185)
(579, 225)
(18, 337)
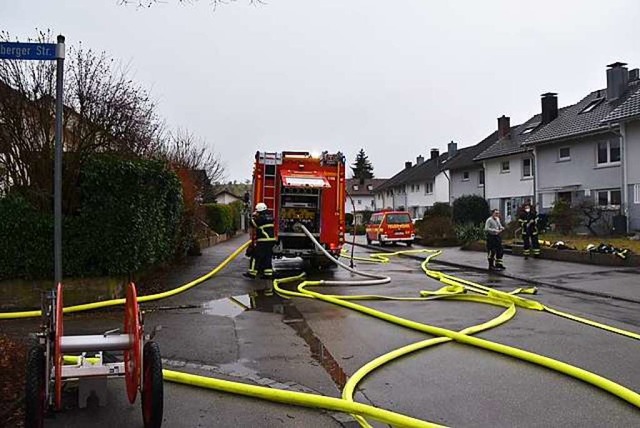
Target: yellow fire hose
(454, 289)
(141, 299)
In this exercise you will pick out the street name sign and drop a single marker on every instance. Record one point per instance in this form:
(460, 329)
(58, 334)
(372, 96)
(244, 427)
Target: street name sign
(35, 51)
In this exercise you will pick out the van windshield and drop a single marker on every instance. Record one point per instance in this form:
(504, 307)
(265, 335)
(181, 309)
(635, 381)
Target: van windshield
(398, 218)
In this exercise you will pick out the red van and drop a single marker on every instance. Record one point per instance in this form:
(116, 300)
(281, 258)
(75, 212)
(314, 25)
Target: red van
(391, 226)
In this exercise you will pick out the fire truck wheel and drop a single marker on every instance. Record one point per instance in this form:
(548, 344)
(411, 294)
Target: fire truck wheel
(368, 240)
(409, 243)
(152, 387)
(35, 394)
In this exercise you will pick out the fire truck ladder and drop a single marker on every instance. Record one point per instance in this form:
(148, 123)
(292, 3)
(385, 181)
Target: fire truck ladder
(270, 182)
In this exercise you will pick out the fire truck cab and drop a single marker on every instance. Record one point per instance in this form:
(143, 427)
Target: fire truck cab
(299, 188)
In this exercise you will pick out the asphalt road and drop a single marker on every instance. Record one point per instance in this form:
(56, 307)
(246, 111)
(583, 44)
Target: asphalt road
(302, 344)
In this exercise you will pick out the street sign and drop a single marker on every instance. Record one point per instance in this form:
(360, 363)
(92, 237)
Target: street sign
(37, 51)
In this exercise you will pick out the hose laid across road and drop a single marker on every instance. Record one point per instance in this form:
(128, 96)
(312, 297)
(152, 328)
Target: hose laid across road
(454, 289)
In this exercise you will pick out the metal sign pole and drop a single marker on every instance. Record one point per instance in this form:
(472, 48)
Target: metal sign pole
(57, 167)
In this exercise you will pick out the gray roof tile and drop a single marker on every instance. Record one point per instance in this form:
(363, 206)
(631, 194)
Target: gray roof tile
(627, 110)
(513, 144)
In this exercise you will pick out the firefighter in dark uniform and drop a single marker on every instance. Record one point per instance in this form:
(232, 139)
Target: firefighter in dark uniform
(260, 263)
(528, 220)
(493, 228)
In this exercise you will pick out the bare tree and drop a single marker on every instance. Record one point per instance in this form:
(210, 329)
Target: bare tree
(592, 213)
(183, 149)
(105, 111)
(214, 3)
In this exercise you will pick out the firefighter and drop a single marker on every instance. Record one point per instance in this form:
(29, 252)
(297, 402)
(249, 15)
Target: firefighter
(260, 263)
(493, 228)
(528, 220)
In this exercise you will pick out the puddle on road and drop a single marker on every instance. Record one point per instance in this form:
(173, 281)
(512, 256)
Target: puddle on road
(227, 307)
(259, 301)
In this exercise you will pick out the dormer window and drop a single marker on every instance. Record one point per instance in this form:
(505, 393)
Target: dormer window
(592, 105)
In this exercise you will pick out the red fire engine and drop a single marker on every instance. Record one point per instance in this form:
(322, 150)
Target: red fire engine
(299, 188)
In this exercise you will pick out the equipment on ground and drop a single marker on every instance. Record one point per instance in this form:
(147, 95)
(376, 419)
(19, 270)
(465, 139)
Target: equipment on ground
(85, 356)
(301, 189)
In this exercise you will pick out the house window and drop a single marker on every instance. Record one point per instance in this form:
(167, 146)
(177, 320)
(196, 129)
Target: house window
(636, 193)
(592, 105)
(355, 187)
(465, 176)
(504, 167)
(526, 168)
(608, 152)
(564, 154)
(369, 187)
(608, 198)
(428, 188)
(481, 177)
(359, 201)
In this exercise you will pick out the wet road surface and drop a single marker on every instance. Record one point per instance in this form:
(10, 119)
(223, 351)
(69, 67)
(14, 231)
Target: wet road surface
(312, 346)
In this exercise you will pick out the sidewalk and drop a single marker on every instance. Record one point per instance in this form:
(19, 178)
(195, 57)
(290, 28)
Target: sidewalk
(605, 281)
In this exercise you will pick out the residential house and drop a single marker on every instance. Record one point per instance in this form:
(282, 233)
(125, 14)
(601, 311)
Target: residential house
(360, 196)
(578, 151)
(466, 176)
(225, 197)
(508, 166)
(417, 187)
(627, 115)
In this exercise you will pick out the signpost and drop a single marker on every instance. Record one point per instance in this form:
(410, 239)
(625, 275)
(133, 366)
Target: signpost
(48, 52)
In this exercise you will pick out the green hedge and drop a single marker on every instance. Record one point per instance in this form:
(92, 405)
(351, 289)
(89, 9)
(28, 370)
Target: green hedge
(219, 217)
(129, 217)
(471, 209)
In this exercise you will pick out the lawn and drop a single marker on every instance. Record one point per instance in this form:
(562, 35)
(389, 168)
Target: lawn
(580, 241)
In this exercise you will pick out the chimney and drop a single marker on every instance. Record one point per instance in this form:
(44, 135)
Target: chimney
(634, 74)
(617, 80)
(407, 164)
(419, 160)
(435, 154)
(504, 126)
(549, 107)
(452, 149)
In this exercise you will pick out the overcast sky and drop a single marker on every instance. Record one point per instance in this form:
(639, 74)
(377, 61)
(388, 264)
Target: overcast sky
(396, 78)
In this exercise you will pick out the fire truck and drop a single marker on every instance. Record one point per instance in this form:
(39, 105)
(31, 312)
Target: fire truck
(299, 188)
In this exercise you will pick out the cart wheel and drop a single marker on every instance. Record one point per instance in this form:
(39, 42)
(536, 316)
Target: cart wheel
(132, 357)
(152, 387)
(35, 393)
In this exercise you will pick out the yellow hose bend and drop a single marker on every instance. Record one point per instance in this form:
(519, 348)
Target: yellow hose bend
(147, 298)
(297, 399)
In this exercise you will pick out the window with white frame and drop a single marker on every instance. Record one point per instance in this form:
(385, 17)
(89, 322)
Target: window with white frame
(527, 169)
(355, 187)
(369, 187)
(608, 198)
(481, 177)
(359, 201)
(564, 153)
(428, 188)
(608, 152)
(465, 176)
(504, 167)
(636, 193)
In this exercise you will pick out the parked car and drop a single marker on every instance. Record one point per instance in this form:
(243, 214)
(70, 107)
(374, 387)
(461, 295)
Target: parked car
(389, 227)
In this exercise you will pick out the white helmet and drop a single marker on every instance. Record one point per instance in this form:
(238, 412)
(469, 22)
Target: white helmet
(261, 206)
